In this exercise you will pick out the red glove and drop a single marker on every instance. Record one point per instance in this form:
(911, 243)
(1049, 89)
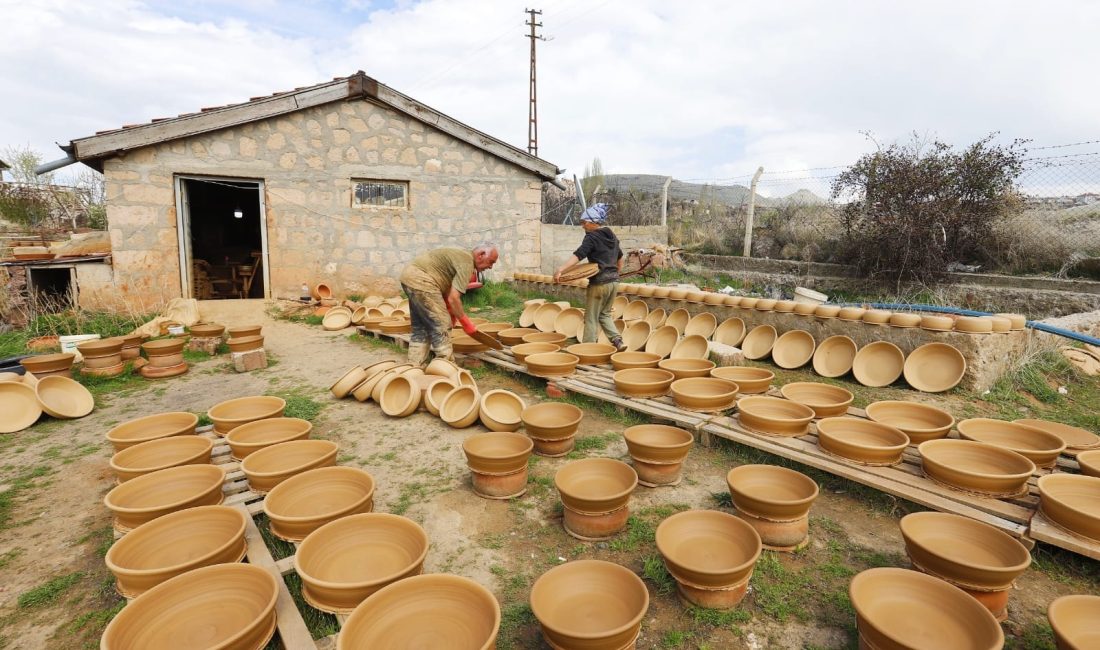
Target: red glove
(454, 321)
(467, 325)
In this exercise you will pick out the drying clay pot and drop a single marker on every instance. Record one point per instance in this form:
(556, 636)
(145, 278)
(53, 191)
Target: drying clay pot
(434, 394)
(920, 422)
(934, 367)
(522, 351)
(567, 321)
(976, 467)
(231, 414)
(635, 335)
(347, 560)
(400, 397)
(774, 416)
(661, 292)
(878, 364)
(544, 317)
(147, 497)
(442, 368)
(544, 337)
(1074, 437)
(748, 380)
(494, 329)
(592, 353)
(793, 349)
(1073, 619)
(207, 330)
(372, 385)
(11, 376)
(349, 380)
(707, 394)
(1089, 462)
(514, 335)
(656, 318)
(64, 398)
(152, 427)
(500, 410)
(44, 365)
(973, 325)
(730, 332)
(396, 326)
(164, 353)
(618, 305)
(863, 441)
(627, 360)
(937, 323)
(321, 291)
(692, 346)
(851, 313)
(899, 608)
(877, 317)
(749, 302)
(702, 324)
(590, 604)
(643, 382)
(999, 325)
(303, 503)
(710, 554)
(696, 296)
(826, 400)
(551, 420)
(714, 298)
(428, 611)
(765, 304)
(775, 501)
(677, 293)
(20, 406)
(253, 436)
(1040, 447)
(551, 364)
(835, 355)
(679, 319)
(460, 407)
(175, 544)
(658, 452)
(358, 315)
(244, 330)
(662, 341)
(899, 319)
(527, 318)
(826, 312)
(1072, 502)
(758, 342)
(785, 306)
(270, 466)
(805, 308)
(155, 455)
(1016, 321)
(635, 310)
(102, 353)
(732, 301)
(498, 463)
(229, 606)
(337, 318)
(595, 493)
(685, 368)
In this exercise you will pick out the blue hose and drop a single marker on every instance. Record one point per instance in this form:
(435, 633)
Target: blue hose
(1042, 327)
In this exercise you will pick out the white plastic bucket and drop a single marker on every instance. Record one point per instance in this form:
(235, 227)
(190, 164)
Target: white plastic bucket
(802, 294)
(68, 343)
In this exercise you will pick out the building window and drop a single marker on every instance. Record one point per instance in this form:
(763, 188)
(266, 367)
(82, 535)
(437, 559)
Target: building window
(385, 194)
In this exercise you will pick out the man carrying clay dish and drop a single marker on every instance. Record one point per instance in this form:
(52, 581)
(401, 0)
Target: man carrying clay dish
(435, 283)
(601, 246)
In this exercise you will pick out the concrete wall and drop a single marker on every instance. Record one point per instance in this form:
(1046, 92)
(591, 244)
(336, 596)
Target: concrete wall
(559, 242)
(458, 196)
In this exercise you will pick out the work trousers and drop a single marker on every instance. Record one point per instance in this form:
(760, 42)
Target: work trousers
(431, 322)
(597, 312)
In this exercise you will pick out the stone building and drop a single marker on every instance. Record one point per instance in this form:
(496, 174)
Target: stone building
(343, 183)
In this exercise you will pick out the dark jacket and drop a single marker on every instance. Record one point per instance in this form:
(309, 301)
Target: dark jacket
(602, 247)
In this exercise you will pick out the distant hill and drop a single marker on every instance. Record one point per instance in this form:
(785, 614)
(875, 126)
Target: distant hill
(733, 195)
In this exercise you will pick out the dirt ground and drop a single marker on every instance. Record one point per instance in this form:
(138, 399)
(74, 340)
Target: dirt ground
(55, 591)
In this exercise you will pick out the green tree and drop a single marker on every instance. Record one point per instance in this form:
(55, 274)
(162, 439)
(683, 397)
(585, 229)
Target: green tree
(593, 178)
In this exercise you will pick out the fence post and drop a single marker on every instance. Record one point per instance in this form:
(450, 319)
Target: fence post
(664, 202)
(752, 208)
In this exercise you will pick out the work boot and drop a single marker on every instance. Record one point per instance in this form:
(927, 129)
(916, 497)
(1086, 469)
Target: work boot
(618, 343)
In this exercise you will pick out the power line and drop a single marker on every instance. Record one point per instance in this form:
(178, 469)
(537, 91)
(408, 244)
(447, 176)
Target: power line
(1063, 146)
(532, 105)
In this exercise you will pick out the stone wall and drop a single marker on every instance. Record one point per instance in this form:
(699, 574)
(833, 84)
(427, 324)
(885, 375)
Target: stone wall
(458, 196)
(559, 242)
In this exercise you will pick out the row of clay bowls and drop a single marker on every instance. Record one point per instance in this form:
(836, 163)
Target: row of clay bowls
(24, 398)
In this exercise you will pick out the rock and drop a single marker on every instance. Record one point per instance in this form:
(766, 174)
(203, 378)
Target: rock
(249, 361)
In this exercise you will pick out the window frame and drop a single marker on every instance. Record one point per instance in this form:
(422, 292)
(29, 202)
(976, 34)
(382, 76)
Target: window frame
(404, 184)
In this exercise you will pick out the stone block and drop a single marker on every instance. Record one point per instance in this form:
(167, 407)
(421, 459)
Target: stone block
(725, 355)
(249, 361)
(206, 344)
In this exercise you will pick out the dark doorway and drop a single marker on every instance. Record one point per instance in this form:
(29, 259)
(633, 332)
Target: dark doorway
(52, 290)
(224, 222)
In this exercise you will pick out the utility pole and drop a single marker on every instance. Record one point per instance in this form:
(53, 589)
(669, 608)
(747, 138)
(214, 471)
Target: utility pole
(752, 209)
(532, 109)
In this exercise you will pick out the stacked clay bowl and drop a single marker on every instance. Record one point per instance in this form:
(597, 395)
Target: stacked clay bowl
(162, 453)
(265, 468)
(552, 426)
(144, 498)
(175, 544)
(704, 394)
(131, 346)
(230, 414)
(793, 349)
(775, 501)
(1089, 462)
(835, 355)
(164, 353)
(494, 329)
(303, 503)
(220, 606)
(500, 410)
(920, 422)
(827, 401)
(658, 452)
(627, 360)
(590, 604)
(976, 467)
(521, 351)
(102, 358)
(692, 346)
(429, 611)
(774, 416)
(460, 407)
(899, 608)
(710, 554)
(662, 341)
(152, 427)
(595, 493)
(545, 337)
(1076, 439)
(347, 560)
(544, 317)
(758, 342)
(1073, 619)
(1040, 447)
(401, 395)
(63, 398)
(44, 365)
(750, 381)
(1072, 502)
(567, 321)
(551, 364)
(730, 332)
(862, 441)
(253, 436)
(592, 353)
(514, 335)
(498, 463)
(934, 367)
(687, 367)
(353, 377)
(207, 330)
(371, 388)
(434, 394)
(20, 406)
(878, 364)
(643, 382)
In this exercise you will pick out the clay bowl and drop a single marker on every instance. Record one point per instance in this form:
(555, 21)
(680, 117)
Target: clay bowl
(732, 301)
(435, 393)
(163, 347)
(460, 407)
(353, 377)
(1072, 502)
(635, 335)
(618, 305)
(590, 604)
(497, 452)
(656, 318)
(662, 341)
(595, 485)
(692, 346)
(11, 376)
(976, 467)
(20, 406)
(371, 388)
(826, 312)
(1038, 446)
(396, 326)
(934, 367)
(635, 310)
(231, 414)
(863, 441)
(207, 330)
(101, 353)
(707, 548)
(878, 364)
(658, 443)
(901, 319)
(749, 302)
(774, 416)
(155, 455)
(899, 608)
(920, 422)
(522, 351)
(347, 560)
(685, 368)
(643, 382)
(244, 330)
(233, 605)
(304, 502)
(851, 313)
(627, 360)
(152, 427)
(702, 324)
(835, 355)
(494, 329)
(793, 349)
(1074, 437)
(678, 318)
(937, 323)
(704, 393)
(661, 292)
(427, 611)
(696, 296)
(358, 315)
(750, 381)
(784, 306)
(771, 492)
(514, 335)
(592, 353)
(966, 552)
(63, 398)
(270, 466)
(401, 396)
(545, 316)
(1089, 462)
(714, 298)
(500, 410)
(973, 325)
(877, 317)
(551, 364)
(1073, 619)
(50, 364)
(677, 293)
(374, 323)
(730, 332)
(759, 341)
(1016, 321)
(826, 401)
(567, 321)
(551, 420)
(999, 324)
(147, 497)
(805, 308)
(175, 544)
(545, 337)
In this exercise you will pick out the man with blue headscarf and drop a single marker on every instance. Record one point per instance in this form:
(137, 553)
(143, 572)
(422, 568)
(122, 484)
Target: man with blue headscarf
(600, 246)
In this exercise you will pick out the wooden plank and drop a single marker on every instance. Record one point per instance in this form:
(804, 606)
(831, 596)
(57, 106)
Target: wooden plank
(285, 565)
(1044, 531)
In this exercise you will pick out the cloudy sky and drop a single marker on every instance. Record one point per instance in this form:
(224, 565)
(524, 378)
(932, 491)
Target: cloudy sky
(695, 89)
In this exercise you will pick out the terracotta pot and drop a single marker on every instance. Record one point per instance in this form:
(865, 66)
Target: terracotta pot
(514, 335)
(321, 311)
(207, 330)
(20, 406)
(544, 317)
(774, 416)
(366, 390)
(527, 318)
(374, 323)
(463, 344)
(934, 367)
(685, 368)
(175, 544)
(826, 400)
(702, 324)
(522, 351)
(498, 463)
(898, 608)
(254, 436)
(679, 319)
(878, 364)
(714, 298)
(592, 353)
(242, 331)
(44, 365)
(618, 305)
(826, 312)
(920, 422)
(784, 306)
(1070, 502)
(305, 502)
(803, 308)
(973, 325)
(595, 485)
(661, 292)
(628, 360)
(232, 604)
(635, 335)
(765, 304)
(1040, 447)
(102, 353)
(1074, 437)
(696, 296)
(62, 398)
(349, 380)
(730, 332)
(39, 343)
(11, 376)
(662, 341)
(358, 315)
(967, 553)
(551, 364)
(144, 498)
(108, 371)
(710, 554)
(976, 467)
(434, 394)
(771, 492)
(568, 320)
(460, 407)
(707, 394)
(466, 379)
(270, 466)
(658, 452)
(1089, 462)
(500, 410)
(863, 441)
(551, 420)
(643, 382)
(732, 301)
(937, 323)
(1073, 619)
(545, 337)
(851, 313)
(758, 342)
(321, 291)
(154, 455)
(877, 317)
(748, 380)
(425, 611)
(656, 318)
(749, 302)
(337, 318)
(793, 349)
(691, 346)
(834, 357)
(400, 397)
(231, 414)
(152, 427)
(677, 293)
(172, 348)
(904, 320)
(442, 368)
(590, 604)
(396, 326)
(999, 325)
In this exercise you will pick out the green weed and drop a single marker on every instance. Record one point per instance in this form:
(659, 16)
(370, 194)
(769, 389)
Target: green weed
(49, 593)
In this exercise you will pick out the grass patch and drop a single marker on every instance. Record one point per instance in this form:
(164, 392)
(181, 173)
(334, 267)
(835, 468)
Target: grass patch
(1031, 390)
(514, 618)
(592, 443)
(49, 593)
(653, 569)
(377, 343)
(301, 406)
(642, 526)
(22, 483)
(1036, 636)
